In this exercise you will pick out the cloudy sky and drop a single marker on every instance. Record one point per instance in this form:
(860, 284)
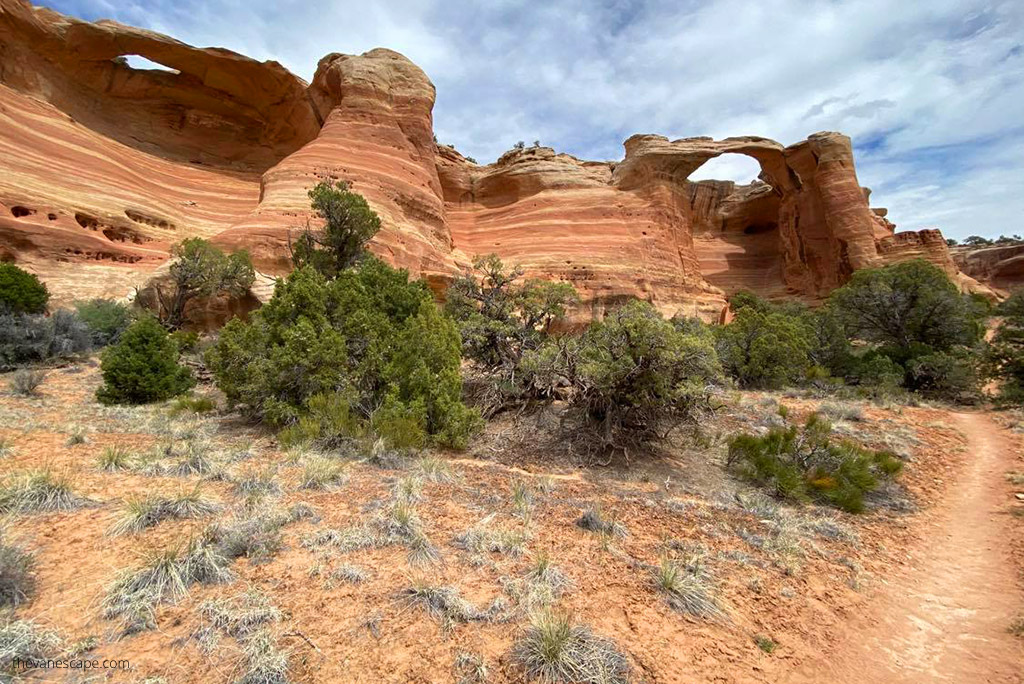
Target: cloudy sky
(931, 92)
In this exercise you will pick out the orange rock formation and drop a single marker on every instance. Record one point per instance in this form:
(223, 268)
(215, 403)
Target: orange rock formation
(105, 166)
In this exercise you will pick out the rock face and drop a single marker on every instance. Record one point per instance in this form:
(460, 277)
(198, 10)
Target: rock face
(1000, 266)
(105, 166)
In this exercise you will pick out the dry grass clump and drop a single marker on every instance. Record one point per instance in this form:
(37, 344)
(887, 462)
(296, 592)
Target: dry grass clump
(249, 619)
(350, 574)
(470, 668)
(76, 436)
(235, 616)
(522, 499)
(143, 512)
(39, 490)
(843, 411)
(483, 538)
(26, 382)
(385, 457)
(398, 524)
(17, 574)
(6, 447)
(164, 576)
(23, 641)
(542, 585)
(257, 483)
(435, 469)
(553, 649)
(264, 662)
(688, 587)
(320, 472)
(186, 451)
(444, 603)
(116, 458)
(254, 534)
(408, 489)
(594, 520)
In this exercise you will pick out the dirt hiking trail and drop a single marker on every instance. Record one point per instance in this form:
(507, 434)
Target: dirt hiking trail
(944, 616)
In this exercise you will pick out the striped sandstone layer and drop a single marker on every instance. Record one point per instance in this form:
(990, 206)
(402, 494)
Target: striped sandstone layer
(105, 166)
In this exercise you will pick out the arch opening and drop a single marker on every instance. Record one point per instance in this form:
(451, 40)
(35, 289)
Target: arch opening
(140, 63)
(735, 220)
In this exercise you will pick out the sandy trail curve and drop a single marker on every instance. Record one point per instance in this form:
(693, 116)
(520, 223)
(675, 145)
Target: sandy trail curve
(944, 617)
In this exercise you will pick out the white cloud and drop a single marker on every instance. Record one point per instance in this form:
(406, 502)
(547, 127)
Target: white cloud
(930, 92)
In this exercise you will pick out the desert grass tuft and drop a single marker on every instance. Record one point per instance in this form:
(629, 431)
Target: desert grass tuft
(470, 668)
(76, 436)
(24, 641)
(6, 447)
(688, 588)
(116, 458)
(483, 538)
(765, 643)
(255, 532)
(17, 574)
(435, 469)
(143, 512)
(238, 616)
(39, 490)
(350, 574)
(321, 472)
(541, 585)
(264, 662)
(408, 489)
(164, 576)
(553, 649)
(385, 457)
(247, 618)
(443, 603)
(191, 405)
(522, 499)
(257, 483)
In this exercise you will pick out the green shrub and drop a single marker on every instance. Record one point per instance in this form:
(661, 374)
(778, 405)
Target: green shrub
(21, 291)
(369, 334)
(501, 319)
(327, 422)
(349, 223)
(807, 464)
(1006, 354)
(105, 318)
(186, 340)
(952, 376)
(636, 377)
(764, 348)
(907, 304)
(192, 405)
(143, 366)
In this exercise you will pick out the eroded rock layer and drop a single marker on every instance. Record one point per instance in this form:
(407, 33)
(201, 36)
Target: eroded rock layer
(105, 166)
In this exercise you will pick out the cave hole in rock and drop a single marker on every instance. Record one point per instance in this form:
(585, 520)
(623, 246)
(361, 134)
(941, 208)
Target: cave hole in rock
(735, 219)
(19, 211)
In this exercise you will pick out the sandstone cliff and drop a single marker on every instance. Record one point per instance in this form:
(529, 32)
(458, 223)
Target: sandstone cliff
(105, 166)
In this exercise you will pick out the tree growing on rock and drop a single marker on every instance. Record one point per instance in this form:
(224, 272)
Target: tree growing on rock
(201, 270)
(348, 225)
